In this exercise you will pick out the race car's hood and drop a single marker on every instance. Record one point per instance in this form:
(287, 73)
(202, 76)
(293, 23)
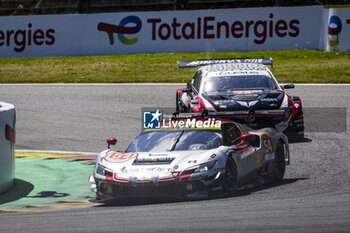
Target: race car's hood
(145, 165)
(245, 100)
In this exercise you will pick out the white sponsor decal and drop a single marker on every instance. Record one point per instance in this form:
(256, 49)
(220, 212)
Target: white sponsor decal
(247, 104)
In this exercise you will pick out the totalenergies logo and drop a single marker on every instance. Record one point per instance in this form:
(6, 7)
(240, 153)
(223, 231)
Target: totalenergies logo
(334, 28)
(121, 29)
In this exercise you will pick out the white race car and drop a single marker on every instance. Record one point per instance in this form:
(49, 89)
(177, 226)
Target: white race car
(190, 158)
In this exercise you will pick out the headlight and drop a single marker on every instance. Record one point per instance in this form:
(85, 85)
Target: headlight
(100, 170)
(284, 103)
(199, 168)
(208, 105)
(204, 167)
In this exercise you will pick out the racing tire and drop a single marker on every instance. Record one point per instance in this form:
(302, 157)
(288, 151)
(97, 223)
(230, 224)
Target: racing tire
(280, 164)
(229, 178)
(295, 131)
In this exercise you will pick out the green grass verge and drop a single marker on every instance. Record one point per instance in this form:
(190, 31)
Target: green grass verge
(293, 66)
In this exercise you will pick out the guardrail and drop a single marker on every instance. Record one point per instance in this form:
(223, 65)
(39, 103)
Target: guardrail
(7, 145)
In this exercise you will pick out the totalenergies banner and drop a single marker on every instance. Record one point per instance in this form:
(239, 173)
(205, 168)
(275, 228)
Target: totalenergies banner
(338, 30)
(246, 29)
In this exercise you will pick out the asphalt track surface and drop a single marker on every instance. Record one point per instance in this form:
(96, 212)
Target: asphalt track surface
(314, 196)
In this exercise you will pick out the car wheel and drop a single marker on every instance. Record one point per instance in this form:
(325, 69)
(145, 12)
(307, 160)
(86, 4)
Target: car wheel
(280, 165)
(295, 131)
(299, 126)
(230, 176)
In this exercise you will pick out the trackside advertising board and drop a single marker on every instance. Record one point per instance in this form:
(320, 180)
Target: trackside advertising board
(246, 29)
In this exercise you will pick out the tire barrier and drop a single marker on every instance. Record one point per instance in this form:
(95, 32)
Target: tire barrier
(7, 146)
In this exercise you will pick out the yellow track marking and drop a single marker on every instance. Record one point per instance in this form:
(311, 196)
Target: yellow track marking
(55, 206)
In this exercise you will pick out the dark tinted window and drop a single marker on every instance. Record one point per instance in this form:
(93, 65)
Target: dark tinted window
(162, 141)
(199, 140)
(240, 82)
(231, 133)
(197, 80)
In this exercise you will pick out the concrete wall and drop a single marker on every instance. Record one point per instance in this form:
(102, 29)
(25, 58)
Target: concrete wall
(7, 143)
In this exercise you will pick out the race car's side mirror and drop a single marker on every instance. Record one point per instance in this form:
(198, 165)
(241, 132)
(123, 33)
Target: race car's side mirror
(251, 139)
(288, 86)
(187, 90)
(248, 139)
(111, 141)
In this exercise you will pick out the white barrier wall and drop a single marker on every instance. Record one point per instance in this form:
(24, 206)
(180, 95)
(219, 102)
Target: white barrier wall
(248, 29)
(7, 143)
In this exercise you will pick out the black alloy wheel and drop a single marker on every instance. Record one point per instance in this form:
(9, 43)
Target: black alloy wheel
(280, 164)
(230, 176)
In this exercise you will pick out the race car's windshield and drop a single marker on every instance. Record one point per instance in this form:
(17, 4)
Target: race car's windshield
(162, 141)
(240, 82)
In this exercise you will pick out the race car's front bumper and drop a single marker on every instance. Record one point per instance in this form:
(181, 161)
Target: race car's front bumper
(178, 188)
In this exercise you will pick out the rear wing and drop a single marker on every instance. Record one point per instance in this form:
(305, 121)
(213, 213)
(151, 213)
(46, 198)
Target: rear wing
(196, 63)
(245, 117)
(276, 112)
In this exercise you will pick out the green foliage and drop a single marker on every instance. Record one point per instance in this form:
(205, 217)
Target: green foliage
(298, 66)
